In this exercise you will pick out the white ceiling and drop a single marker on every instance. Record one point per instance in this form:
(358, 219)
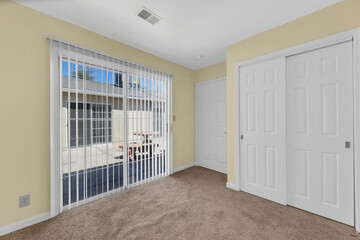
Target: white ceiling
(189, 27)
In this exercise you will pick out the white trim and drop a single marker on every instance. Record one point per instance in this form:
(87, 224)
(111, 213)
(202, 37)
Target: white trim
(232, 186)
(351, 35)
(170, 121)
(183, 167)
(196, 125)
(356, 79)
(55, 136)
(24, 223)
(237, 128)
(305, 47)
(196, 115)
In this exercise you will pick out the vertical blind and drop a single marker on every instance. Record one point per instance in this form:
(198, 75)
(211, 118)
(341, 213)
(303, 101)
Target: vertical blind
(114, 123)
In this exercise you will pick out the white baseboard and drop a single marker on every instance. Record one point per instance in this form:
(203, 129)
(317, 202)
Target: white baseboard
(232, 186)
(183, 167)
(24, 223)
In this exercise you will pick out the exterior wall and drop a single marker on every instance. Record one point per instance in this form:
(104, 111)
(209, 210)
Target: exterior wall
(25, 121)
(98, 151)
(212, 72)
(117, 115)
(334, 19)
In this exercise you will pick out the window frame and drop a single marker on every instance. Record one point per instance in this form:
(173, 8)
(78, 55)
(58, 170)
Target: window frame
(91, 120)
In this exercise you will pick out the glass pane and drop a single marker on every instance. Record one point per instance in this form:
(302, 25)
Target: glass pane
(93, 133)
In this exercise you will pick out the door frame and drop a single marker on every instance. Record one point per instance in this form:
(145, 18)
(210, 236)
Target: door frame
(56, 134)
(351, 35)
(197, 114)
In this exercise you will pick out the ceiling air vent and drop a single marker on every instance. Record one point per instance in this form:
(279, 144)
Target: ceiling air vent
(148, 16)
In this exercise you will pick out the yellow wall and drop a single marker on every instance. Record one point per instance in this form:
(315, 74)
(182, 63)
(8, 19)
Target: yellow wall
(212, 72)
(25, 103)
(334, 19)
(24, 69)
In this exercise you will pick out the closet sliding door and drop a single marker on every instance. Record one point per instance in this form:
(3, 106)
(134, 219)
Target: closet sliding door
(320, 132)
(262, 129)
(114, 123)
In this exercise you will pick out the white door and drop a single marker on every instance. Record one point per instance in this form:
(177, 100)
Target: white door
(320, 132)
(262, 129)
(211, 125)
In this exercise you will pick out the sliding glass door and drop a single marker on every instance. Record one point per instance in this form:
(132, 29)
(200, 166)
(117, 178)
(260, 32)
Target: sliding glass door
(114, 124)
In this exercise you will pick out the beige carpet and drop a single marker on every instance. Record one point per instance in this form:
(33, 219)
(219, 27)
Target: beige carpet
(191, 204)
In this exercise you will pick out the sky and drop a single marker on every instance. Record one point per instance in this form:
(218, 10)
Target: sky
(100, 76)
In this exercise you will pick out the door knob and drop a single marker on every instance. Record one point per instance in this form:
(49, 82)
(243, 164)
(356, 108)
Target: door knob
(347, 144)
